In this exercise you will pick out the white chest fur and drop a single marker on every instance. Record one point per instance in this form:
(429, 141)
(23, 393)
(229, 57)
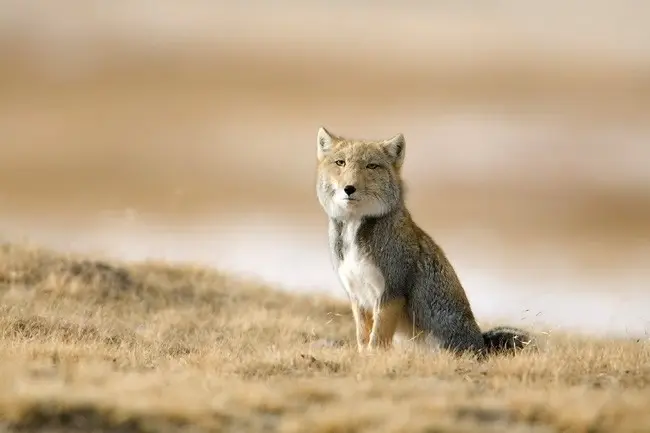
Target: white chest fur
(360, 277)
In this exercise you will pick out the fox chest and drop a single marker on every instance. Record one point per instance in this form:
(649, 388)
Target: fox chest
(361, 278)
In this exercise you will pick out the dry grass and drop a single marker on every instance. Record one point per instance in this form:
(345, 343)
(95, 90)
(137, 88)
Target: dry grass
(101, 346)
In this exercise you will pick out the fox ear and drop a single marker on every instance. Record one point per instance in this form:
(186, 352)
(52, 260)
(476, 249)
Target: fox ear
(395, 147)
(324, 144)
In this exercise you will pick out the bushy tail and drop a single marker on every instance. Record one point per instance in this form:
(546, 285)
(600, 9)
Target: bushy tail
(506, 340)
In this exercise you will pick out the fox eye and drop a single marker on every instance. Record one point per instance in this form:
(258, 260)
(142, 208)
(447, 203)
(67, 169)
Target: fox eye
(372, 166)
(340, 162)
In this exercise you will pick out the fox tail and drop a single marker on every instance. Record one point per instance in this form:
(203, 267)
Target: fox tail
(506, 340)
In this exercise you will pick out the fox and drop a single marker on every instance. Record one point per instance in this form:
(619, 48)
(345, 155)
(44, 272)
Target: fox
(399, 281)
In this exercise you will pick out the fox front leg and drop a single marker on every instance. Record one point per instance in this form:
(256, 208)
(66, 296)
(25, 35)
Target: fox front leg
(363, 323)
(385, 319)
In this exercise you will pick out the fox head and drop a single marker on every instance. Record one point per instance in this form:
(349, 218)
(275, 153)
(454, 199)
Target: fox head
(359, 178)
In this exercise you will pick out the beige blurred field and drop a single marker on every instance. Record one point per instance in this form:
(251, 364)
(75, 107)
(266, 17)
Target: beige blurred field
(209, 108)
(527, 143)
(186, 132)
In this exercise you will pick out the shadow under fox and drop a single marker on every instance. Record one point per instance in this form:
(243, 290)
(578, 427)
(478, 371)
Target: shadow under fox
(399, 281)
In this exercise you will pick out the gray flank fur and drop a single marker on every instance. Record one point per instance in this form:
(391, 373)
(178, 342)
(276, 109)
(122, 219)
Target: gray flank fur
(436, 302)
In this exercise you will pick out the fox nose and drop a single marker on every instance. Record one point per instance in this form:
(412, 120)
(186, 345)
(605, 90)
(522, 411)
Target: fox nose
(349, 189)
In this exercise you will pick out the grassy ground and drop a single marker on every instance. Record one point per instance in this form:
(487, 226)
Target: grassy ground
(98, 346)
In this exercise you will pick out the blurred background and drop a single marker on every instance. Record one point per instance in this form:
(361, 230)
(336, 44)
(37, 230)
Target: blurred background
(186, 131)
